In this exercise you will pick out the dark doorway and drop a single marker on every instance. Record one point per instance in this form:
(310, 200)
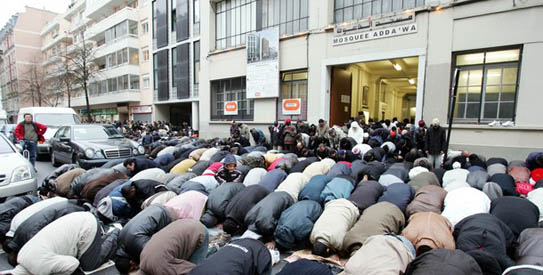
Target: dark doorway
(340, 104)
(180, 113)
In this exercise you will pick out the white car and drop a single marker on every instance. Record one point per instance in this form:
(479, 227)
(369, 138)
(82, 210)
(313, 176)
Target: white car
(17, 175)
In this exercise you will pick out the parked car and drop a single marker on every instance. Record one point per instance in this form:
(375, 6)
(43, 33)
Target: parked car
(7, 130)
(91, 145)
(53, 118)
(17, 175)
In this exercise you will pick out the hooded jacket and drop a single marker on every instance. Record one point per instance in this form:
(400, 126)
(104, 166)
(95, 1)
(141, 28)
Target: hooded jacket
(429, 198)
(417, 170)
(93, 187)
(339, 169)
(239, 206)
(464, 202)
(477, 179)
(293, 184)
(366, 194)
(31, 226)
(263, 217)
(169, 250)
(530, 247)
(30, 210)
(318, 168)
(455, 175)
(188, 205)
(429, 229)
(9, 209)
(378, 219)
(444, 262)
(63, 182)
(506, 182)
(487, 233)
(272, 179)
(138, 231)
(356, 133)
(254, 176)
(343, 215)
(536, 197)
(240, 257)
(399, 194)
(217, 201)
(295, 224)
(517, 213)
(423, 179)
(176, 183)
(313, 189)
(337, 188)
(380, 255)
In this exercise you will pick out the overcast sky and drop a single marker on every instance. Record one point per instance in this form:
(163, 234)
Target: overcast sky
(10, 7)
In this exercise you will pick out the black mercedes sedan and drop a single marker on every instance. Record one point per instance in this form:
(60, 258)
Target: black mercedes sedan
(91, 145)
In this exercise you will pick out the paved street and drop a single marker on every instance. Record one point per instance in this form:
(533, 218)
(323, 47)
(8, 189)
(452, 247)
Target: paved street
(44, 168)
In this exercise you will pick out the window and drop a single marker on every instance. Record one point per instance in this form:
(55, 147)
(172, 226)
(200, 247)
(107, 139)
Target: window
(154, 20)
(174, 16)
(146, 81)
(161, 16)
(134, 56)
(112, 60)
(135, 82)
(123, 82)
(144, 28)
(291, 16)
(196, 17)
(352, 10)
(234, 19)
(133, 27)
(174, 67)
(487, 85)
(196, 62)
(293, 85)
(145, 53)
(230, 90)
(155, 72)
(122, 56)
(112, 84)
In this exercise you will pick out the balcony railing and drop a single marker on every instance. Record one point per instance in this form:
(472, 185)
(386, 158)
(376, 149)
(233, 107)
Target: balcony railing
(172, 97)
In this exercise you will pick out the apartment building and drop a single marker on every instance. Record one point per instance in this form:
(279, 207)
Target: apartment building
(176, 61)
(20, 47)
(373, 59)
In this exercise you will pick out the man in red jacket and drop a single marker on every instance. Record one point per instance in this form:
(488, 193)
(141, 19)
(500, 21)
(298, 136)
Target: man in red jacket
(29, 133)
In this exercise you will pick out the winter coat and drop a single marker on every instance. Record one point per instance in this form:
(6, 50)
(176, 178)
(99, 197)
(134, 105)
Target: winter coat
(399, 194)
(337, 188)
(492, 190)
(531, 160)
(212, 169)
(114, 206)
(217, 157)
(155, 174)
(517, 213)
(381, 254)
(491, 161)
(398, 171)
(273, 178)
(183, 166)
(223, 176)
(536, 197)
(455, 185)
(143, 164)
(423, 179)
(209, 182)
(530, 247)
(158, 198)
(301, 165)
(196, 154)
(506, 182)
(49, 181)
(373, 170)
(12, 207)
(429, 229)
(293, 184)
(455, 175)
(435, 140)
(429, 198)
(169, 250)
(487, 233)
(217, 201)
(387, 180)
(193, 186)
(254, 161)
(289, 134)
(477, 179)
(263, 217)
(444, 262)
(208, 154)
(520, 174)
(240, 257)
(239, 206)
(378, 219)
(496, 168)
(464, 202)
(176, 184)
(296, 223)
(164, 159)
(93, 187)
(60, 246)
(343, 215)
(30, 210)
(63, 182)
(366, 194)
(154, 152)
(273, 165)
(286, 164)
(145, 189)
(313, 189)
(31, 226)
(40, 129)
(138, 231)
(188, 205)
(305, 267)
(339, 169)
(79, 183)
(254, 176)
(417, 170)
(318, 168)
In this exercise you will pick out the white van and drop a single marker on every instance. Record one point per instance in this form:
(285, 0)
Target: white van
(53, 117)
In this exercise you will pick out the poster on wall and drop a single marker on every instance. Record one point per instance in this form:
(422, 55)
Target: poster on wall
(263, 63)
(230, 108)
(292, 106)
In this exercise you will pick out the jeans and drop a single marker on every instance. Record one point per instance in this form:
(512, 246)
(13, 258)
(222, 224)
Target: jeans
(32, 148)
(199, 255)
(435, 159)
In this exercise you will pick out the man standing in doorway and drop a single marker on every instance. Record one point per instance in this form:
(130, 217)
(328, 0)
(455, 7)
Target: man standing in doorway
(435, 143)
(29, 133)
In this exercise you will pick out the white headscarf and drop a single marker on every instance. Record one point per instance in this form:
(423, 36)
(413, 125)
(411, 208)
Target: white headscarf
(356, 132)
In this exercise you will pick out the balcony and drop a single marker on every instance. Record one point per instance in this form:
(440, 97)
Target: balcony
(95, 31)
(77, 45)
(107, 98)
(118, 71)
(51, 60)
(61, 37)
(127, 41)
(173, 96)
(54, 23)
(97, 9)
(77, 6)
(79, 25)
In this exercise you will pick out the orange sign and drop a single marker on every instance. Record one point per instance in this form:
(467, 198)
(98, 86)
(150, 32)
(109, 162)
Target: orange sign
(292, 106)
(230, 108)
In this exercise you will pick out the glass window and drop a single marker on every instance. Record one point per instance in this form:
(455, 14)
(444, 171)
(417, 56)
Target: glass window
(352, 10)
(155, 72)
(135, 82)
(132, 27)
(196, 17)
(293, 85)
(112, 60)
(174, 16)
(291, 16)
(134, 56)
(174, 67)
(487, 85)
(122, 56)
(145, 54)
(123, 82)
(154, 20)
(197, 62)
(229, 17)
(112, 84)
(146, 81)
(230, 90)
(144, 27)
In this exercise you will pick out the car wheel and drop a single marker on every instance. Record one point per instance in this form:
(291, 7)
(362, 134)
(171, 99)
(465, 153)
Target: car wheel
(54, 161)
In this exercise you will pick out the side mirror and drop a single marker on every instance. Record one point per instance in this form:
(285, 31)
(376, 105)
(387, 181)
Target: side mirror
(64, 139)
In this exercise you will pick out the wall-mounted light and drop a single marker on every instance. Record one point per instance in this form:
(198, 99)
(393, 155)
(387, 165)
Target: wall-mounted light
(398, 67)
(411, 81)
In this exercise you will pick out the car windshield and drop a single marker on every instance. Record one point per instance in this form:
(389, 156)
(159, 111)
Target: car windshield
(5, 148)
(57, 119)
(95, 133)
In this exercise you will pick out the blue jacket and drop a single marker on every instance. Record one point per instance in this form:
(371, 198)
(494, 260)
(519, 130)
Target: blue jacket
(337, 188)
(273, 178)
(121, 208)
(313, 189)
(339, 169)
(164, 160)
(399, 194)
(296, 222)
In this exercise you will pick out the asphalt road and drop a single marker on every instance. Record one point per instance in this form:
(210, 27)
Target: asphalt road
(44, 168)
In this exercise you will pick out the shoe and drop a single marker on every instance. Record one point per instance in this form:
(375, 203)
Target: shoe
(494, 123)
(508, 124)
